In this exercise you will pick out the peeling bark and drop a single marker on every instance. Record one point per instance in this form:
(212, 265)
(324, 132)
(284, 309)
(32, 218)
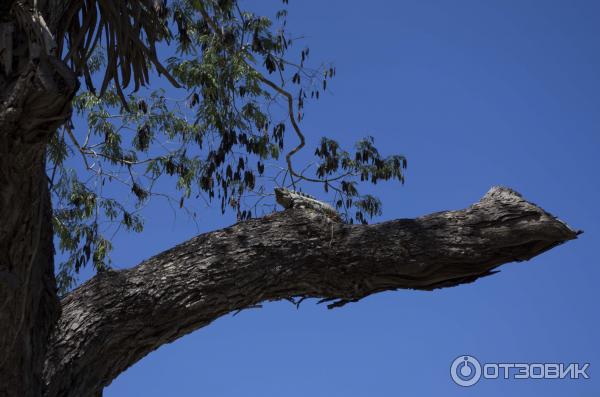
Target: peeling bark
(118, 317)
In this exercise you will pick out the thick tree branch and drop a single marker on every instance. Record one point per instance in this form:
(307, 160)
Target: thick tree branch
(117, 318)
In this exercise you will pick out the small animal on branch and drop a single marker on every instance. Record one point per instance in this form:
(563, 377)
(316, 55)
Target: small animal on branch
(292, 199)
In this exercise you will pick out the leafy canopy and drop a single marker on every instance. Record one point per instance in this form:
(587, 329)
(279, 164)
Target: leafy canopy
(224, 141)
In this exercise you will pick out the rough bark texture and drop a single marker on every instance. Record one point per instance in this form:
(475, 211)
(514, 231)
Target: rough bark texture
(117, 318)
(35, 96)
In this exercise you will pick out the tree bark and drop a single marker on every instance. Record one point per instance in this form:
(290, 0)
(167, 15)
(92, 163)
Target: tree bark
(76, 347)
(35, 97)
(118, 317)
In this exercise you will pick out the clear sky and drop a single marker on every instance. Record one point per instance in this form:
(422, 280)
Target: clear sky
(475, 94)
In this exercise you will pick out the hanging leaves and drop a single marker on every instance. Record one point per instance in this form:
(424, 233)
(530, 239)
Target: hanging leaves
(129, 29)
(218, 144)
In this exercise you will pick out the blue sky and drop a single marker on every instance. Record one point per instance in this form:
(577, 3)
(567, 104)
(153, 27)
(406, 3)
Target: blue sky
(475, 94)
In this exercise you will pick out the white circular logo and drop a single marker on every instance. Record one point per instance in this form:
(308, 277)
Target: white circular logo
(465, 371)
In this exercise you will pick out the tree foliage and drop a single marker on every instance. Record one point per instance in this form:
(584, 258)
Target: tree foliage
(226, 140)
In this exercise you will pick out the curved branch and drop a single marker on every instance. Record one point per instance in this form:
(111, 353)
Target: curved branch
(290, 102)
(288, 156)
(116, 318)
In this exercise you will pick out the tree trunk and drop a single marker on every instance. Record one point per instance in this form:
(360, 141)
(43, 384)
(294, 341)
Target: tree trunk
(118, 317)
(35, 97)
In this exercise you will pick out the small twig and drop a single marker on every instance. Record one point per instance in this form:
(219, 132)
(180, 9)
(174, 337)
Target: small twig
(302, 299)
(340, 303)
(259, 306)
(77, 145)
(290, 110)
(337, 302)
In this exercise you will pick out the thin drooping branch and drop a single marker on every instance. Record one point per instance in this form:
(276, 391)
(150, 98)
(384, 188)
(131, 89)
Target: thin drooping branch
(290, 109)
(116, 318)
